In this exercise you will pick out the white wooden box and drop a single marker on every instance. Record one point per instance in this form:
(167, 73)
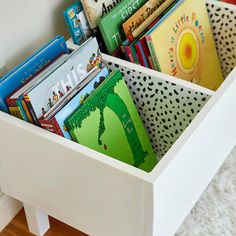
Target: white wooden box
(192, 128)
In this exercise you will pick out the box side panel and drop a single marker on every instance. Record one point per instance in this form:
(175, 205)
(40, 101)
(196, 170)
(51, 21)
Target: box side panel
(60, 178)
(183, 174)
(166, 105)
(223, 18)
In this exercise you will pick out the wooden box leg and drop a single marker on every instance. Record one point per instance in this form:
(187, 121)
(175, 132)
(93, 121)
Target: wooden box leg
(37, 220)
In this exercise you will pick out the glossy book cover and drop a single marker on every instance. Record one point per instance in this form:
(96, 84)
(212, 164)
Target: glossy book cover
(30, 67)
(111, 24)
(56, 122)
(182, 45)
(46, 94)
(108, 122)
(77, 23)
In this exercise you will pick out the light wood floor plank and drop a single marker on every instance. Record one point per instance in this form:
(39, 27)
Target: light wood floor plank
(18, 227)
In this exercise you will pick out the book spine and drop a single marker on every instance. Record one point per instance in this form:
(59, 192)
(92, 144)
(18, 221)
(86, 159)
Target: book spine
(74, 39)
(25, 110)
(13, 108)
(134, 53)
(31, 110)
(146, 51)
(129, 54)
(51, 125)
(152, 53)
(22, 110)
(30, 67)
(88, 14)
(139, 55)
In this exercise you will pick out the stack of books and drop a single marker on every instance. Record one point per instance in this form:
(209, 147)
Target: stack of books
(70, 92)
(171, 36)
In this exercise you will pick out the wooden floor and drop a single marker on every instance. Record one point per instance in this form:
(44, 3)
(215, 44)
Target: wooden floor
(18, 227)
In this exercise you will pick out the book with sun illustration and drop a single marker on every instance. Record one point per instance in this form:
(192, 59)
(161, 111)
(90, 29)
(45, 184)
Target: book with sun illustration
(182, 44)
(108, 122)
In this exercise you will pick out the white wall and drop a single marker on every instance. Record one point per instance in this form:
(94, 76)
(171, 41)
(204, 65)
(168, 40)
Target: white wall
(25, 25)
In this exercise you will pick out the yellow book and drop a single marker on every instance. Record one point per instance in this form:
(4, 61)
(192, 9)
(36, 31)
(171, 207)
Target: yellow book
(182, 44)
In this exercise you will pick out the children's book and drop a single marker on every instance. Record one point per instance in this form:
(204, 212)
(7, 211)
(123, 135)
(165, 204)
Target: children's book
(137, 50)
(40, 98)
(14, 101)
(182, 44)
(77, 23)
(111, 24)
(54, 121)
(29, 68)
(108, 122)
(139, 17)
(95, 9)
(151, 18)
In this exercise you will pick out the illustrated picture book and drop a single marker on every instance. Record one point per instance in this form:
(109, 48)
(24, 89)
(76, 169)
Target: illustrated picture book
(54, 122)
(40, 98)
(30, 67)
(111, 24)
(108, 122)
(139, 17)
(182, 44)
(77, 23)
(16, 105)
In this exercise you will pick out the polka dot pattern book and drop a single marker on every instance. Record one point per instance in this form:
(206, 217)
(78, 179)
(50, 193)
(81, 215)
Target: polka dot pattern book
(182, 44)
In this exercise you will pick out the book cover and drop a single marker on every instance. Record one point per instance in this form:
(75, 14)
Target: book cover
(139, 17)
(30, 67)
(111, 24)
(16, 98)
(153, 17)
(182, 45)
(47, 93)
(55, 121)
(77, 23)
(108, 122)
(95, 9)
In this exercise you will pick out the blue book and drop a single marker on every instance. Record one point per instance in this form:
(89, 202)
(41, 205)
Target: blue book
(55, 121)
(77, 23)
(44, 95)
(30, 67)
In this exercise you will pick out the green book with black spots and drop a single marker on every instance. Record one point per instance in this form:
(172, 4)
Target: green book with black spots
(108, 122)
(111, 24)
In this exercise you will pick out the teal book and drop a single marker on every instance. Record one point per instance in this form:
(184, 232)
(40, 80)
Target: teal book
(108, 122)
(111, 24)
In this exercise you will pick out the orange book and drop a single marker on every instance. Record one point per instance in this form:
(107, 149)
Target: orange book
(156, 14)
(140, 16)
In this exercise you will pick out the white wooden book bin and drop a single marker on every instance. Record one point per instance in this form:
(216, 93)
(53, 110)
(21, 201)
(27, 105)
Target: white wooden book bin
(193, 129)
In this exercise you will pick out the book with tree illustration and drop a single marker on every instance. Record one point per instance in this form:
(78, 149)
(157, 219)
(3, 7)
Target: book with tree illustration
(182, 44)
(53, 120)
(108, 122)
